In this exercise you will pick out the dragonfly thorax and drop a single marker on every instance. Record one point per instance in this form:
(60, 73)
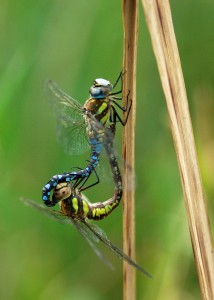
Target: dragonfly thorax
(100, 88)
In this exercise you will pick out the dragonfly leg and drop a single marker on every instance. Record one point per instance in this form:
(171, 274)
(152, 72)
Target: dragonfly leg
(126, 105)
(114, 116)
(115, 84)
(121, 87)
(89, 186)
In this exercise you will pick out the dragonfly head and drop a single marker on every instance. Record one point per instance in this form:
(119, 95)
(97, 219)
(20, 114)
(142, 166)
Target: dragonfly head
(62, 191)
(100, 88)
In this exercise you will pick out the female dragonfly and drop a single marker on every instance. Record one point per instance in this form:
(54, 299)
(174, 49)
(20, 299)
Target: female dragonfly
(77, 210)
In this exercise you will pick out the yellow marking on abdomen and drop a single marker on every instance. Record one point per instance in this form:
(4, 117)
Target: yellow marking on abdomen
(97, 212)
(103, 211)
(109, 208)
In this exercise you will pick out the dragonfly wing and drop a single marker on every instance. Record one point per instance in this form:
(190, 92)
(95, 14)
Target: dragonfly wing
(51, 213)
(71, 135)
(82, 229)
(57, 97)
(91, 239)
(103, 237)
(71, 126)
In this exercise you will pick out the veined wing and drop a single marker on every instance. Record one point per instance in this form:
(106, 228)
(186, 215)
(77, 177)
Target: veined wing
(114, 248)
(71, 126)
(82, 229)
(51, 213)
(91, 239)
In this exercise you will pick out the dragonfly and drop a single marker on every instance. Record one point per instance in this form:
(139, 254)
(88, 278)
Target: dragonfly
(77, 125)
(77, 210)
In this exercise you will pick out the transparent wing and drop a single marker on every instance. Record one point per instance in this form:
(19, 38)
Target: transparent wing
(51, 213)
(71, 126)
(102, 237)
(55, 215)
(91, 238)
(90, 232)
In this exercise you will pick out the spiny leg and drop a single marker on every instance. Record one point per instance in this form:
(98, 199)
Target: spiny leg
(114, 117)
(89, 186)
(119, 77)
(115, 84)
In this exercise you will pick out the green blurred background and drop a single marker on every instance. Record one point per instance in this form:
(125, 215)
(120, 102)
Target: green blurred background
(73, 42)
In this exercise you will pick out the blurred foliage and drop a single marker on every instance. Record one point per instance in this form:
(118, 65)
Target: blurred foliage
(74, 42)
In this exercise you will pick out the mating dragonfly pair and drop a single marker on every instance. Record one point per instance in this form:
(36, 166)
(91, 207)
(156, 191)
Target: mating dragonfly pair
(80, 127)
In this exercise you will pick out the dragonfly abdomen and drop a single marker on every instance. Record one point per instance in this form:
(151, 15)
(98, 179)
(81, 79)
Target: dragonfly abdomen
(102, 210)
(76, 205)
(96, 142)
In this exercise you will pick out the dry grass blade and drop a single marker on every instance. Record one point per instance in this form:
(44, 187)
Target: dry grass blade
(159, 21)
(130, 19)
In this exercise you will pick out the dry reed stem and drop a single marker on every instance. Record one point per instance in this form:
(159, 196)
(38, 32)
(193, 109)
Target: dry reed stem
(159, 21)
(130, 19)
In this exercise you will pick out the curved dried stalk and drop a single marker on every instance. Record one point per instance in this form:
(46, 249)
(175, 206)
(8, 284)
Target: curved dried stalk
(159, 21)
(130, 19)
